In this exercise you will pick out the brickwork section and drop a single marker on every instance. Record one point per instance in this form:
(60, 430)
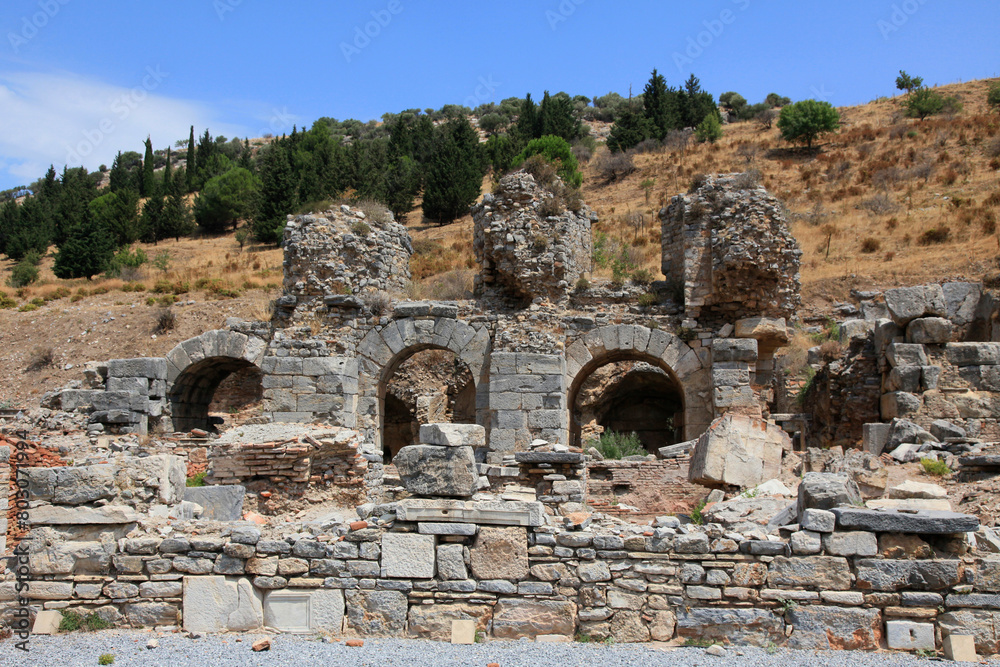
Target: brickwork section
(659, 487)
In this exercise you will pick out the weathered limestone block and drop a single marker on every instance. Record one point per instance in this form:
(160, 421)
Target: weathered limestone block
(962, 301)
(909, 636)
(431, 470)
(221, 604)
(850, 543)
(451, 562)
(738, 451)
(825, 490)
(434, 621)
(453, 435)
(929, 331)
(899, 404)
(821, 627)
(726, 625)
(973, 354)
(889, 521)
(376, 613)
(517, 618)
(906, 354)
(908, 303)
(150, 614)
(219, 503)
(894, 575)
(71, 485)
(822, 572)
(408, 555)
(500, 553)
(980, 624)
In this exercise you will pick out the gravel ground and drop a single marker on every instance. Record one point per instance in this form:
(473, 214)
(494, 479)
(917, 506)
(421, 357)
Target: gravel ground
(129, 648)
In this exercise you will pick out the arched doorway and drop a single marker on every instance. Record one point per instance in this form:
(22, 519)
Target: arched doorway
(656, 385)
(430, 386)
(198, 366)
(631, 397)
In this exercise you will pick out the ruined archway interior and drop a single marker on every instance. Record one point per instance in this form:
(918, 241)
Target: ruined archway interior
(430, 386)
(217, 384)
(626, 397)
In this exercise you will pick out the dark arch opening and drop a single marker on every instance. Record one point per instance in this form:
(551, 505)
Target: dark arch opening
(627, 393)
(194, 389)
(424, 385)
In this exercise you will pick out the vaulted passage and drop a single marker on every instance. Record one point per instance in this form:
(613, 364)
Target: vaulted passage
(193, 391)
(428, 386)
(628, 397)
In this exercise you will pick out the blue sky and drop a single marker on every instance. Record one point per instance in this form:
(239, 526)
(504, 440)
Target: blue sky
(82, 79)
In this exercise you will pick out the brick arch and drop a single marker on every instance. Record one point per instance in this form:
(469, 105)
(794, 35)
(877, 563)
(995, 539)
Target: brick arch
(383, 349)
(622, 342)
(196, 367)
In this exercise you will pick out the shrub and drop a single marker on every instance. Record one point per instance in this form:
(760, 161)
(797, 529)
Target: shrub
(648, 300)
(949, 176)
(555, 150)
(935, 467)
(805, 121)
(6, 302)
(549, 206)
(880, 204)
(934, 235)
(106, 659)
(23, 274)
(360, 228)
(27, 308)
(582, 284)
(73, 621)
(993, 96)
(166, 320)
(375, 212)
(41, 357)
(615, 166)
(870, 244)
(748, 180)
(614, 445)
(642, 277)
(378, 302)
(923, 102)
(126, 258)
(696, 516)
(697, 181)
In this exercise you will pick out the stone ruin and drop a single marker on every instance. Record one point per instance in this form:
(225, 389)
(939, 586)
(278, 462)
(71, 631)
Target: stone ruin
(494, 523)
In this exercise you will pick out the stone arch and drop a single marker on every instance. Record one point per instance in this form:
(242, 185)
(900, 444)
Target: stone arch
(622, 342)
(382, 351)
(196, 367)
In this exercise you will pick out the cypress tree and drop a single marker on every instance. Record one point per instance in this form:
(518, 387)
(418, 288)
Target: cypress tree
(147, 186)
(167, 175)
(277, 193)
(191, 168)
(527, 121)
(177, 220)
(455, 173)
(152, 219)
(660, 105)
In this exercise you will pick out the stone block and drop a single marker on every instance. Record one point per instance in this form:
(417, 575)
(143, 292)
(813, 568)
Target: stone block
(824, 628)
(874, 437)
(376, 613)
(906, 354)
(501, 513)
(50, 515)
(960, 648)
(221, 604)
(899, 404)
(500, 553)
(739, 451)
(47, 622)
(824, 491)
(463, 529)
(850, 543)
(929, 331)
(730, 625)
(908, 303)
(891, 521)
(219, 503)
(451, 562)
(822, 572)
(817, 520)
(904, 378)
(301, 611)
(434, 622)
(805, 543)
(973, 354)
(734, 349)
(453, 435)
(962, 301)
(516, 619)
(431, 470)
(909, 636)
(893, 575)
(153, 368)
(408, 555)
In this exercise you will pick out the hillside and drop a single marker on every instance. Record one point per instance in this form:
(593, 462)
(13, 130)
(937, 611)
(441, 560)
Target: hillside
(886, 201)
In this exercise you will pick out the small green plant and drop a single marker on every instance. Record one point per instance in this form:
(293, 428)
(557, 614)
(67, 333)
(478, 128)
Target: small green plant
(24, 273)
(6, 301)
(197, 479)
(480, 638)
(700, 642)
(648, 300)
(583, 638)
(27, 308)
(771, 648)
(786, 605)
(926, 653)
(603, 249)
(360, 228)
(935, 467)
(581, 286)
(106, 659)
(750, 493)
(642, 276)
(539, 243)
(687, 335)
(800, 398)
(696, 516)
(614, 445)
(162, 261)
(72, 621)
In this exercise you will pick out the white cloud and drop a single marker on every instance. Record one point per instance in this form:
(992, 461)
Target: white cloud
(61, 118)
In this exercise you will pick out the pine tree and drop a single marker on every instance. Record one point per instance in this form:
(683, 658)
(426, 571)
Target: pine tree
(120, 178)
(629, 129)
(147, 187)
(177, 220)
(660, 106)
(152, 220)
(527, 127)
(455, 173)
(86, 251)
(555, 117)
(191, 168)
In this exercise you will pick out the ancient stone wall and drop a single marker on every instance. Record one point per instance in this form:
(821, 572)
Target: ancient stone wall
(727, 244)
(847, 578)
(525, 250)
